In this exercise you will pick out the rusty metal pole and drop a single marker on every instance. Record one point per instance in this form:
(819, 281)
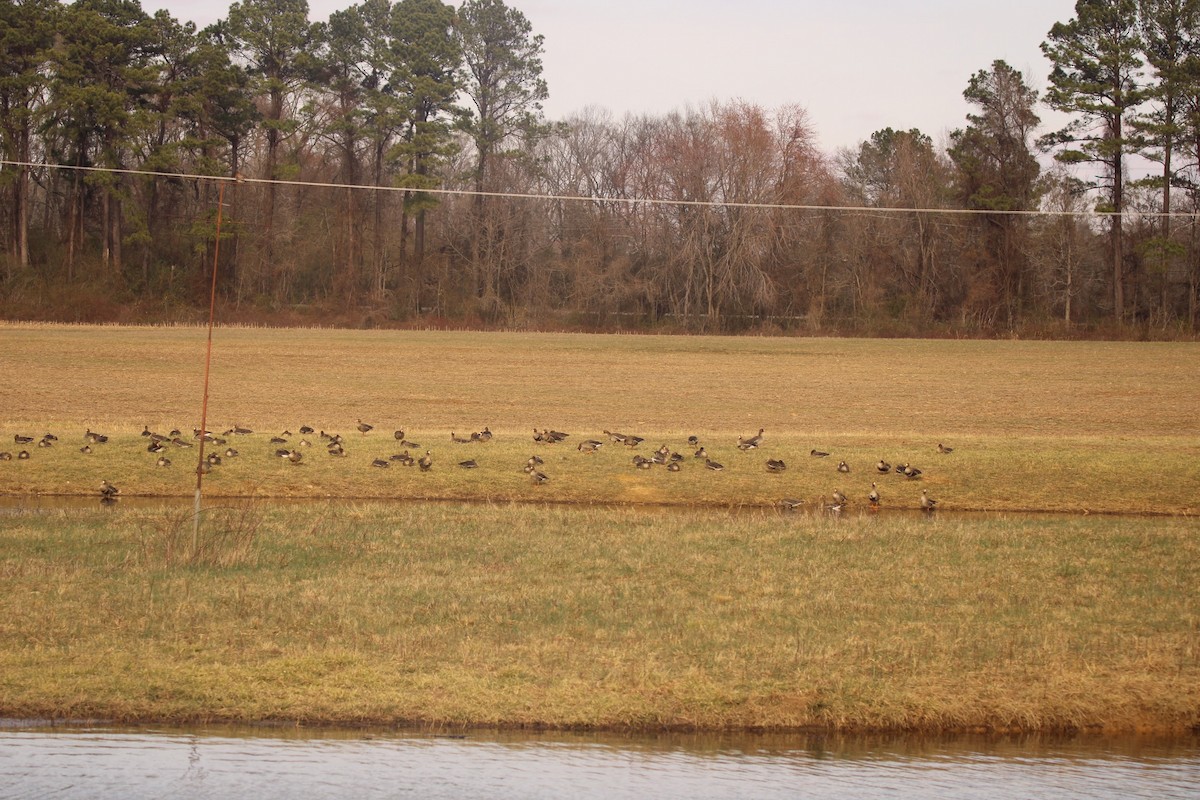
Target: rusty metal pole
(212, 311)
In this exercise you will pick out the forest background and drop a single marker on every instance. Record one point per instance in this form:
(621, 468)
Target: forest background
(391, 166)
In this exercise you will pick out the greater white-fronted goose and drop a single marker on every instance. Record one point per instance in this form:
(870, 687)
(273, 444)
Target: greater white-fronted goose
(776, 465)
(818, 453)
(843, 467)
(873, 496)
(943, 449)
(425, 462)
(927, 502)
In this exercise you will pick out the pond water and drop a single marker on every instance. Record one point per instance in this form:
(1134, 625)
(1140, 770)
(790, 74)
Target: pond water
(288, 763)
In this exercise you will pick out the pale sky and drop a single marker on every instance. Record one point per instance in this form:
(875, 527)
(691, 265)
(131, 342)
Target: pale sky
(857, 65)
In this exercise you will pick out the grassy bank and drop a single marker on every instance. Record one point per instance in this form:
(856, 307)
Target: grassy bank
(1069, 426)
(619, 618)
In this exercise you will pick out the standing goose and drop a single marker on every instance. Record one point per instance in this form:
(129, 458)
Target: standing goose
(108, 492)
(927, 502)
(838, 497)
(425, 462)
(364, 427)
(538, 478)
(873, 497)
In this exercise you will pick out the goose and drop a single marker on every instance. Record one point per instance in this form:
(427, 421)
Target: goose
(838, 497)
(6, 456)
(788, 503)
(95, 438)
(776, 465)
(278, 440)
(883, 467)
(155, 447)
(912, 473)
(557, 436)
(713, 465)
(456, 438)
(618, 438)
(306, 430)
(425, 462)
(163, 461)
(900, 468)
(927, 502)
(873, 497)
(203, 468)
(45, 443)
(410, 445)
(108, 490)
(364, 427)
(589, 446)
(19, 439)
(633, 441)
(304, 443)
(693, 441)
(538, 478)
(179, 442)
(379, 462)
(749, 443)
(294, 456)
(484, 435)
(470, 463)
(282, 452)
(399, 434)
(336, 450)
(641, 462)
(673, 466)
(675, 458)
(22, 455)
(214, 459)
(240, 431)
(701, 453)
(818, 453)
(943, 449)
(231, 453)
(146, 431)
(50, 437)
(404, 458)
(843, 466)
(535, 461)
(86, 449)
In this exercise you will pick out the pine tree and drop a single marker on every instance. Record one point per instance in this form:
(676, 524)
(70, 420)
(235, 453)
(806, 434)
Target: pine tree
(1096, 63)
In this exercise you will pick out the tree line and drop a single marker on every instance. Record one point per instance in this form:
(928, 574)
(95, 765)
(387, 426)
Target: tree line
(393, 163)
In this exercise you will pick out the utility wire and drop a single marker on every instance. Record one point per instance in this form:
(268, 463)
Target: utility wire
(882, 210)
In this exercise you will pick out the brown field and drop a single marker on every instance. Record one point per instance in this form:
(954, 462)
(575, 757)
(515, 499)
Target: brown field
(1040, 426)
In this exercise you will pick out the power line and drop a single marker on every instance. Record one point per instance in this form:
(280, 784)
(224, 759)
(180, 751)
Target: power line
(879, 210)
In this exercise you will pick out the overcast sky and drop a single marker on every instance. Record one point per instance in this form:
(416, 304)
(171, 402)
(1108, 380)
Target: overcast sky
(857, 65)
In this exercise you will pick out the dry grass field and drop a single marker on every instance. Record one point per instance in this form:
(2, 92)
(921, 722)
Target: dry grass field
(1042, 426)
(622, 597)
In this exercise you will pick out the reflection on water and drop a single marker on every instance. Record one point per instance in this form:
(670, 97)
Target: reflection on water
(234, 763)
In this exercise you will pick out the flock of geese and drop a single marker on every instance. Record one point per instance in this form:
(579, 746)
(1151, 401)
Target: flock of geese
(285, 448)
